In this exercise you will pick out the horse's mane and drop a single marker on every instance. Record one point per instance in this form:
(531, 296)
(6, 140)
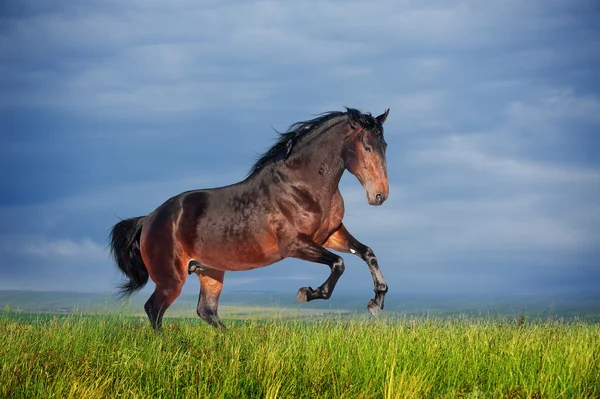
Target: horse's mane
(284, 145)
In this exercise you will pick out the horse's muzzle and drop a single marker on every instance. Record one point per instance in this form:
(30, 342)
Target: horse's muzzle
(378, 200)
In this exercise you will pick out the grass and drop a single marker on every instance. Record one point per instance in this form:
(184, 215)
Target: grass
(119, 356)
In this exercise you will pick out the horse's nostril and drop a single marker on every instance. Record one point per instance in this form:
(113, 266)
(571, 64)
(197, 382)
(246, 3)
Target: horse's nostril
(379, 198)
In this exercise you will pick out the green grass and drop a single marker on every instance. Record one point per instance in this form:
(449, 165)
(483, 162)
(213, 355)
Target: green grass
(119, 356)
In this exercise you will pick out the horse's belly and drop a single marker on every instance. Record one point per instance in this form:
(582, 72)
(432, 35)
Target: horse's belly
(238, 255)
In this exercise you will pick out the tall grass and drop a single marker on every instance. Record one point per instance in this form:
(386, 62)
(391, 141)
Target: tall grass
(118, 356)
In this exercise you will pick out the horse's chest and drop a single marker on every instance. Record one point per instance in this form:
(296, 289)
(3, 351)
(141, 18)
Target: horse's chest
(303, 212)
(329, 223)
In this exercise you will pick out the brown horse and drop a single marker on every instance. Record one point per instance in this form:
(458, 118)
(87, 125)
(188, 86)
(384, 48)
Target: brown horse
(288, 206)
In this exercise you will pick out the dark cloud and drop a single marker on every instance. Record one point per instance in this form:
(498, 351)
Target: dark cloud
(109, 108)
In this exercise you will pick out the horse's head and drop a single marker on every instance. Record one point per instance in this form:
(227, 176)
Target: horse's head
(364, 154)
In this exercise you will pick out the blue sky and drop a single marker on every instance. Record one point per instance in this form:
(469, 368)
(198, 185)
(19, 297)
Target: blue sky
(109, 108)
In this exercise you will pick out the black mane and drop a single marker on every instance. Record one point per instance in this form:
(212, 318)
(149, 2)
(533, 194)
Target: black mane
(286, 141)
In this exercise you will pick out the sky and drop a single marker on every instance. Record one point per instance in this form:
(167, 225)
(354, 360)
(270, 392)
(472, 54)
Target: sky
(108, 108)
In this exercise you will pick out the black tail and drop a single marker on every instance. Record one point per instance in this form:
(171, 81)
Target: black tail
(125, 249)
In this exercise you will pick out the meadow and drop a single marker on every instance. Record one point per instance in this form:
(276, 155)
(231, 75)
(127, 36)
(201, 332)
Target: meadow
(284, 356)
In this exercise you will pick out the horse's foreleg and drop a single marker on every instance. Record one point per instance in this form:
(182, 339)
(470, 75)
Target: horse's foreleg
(341, 240)
(304, 248)
(211, 284)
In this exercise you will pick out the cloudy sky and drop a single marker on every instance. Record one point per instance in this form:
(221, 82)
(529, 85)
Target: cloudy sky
(108, 108)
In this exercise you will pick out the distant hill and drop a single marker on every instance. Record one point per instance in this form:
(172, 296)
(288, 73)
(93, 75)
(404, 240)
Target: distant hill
(258, 303)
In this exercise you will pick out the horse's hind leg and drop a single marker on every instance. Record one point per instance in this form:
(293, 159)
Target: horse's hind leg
(211, 284)
(157, 305)
(160, 300)
(169, 282)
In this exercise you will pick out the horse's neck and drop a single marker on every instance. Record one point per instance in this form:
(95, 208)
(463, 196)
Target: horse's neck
(320, 161)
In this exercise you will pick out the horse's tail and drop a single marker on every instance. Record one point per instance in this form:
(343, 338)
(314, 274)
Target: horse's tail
(125, 249)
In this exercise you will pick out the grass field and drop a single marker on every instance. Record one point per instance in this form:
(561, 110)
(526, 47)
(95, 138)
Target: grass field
(331, 357)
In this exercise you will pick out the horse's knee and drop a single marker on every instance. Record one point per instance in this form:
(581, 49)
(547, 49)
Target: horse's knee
(338, 266)
(369, 257)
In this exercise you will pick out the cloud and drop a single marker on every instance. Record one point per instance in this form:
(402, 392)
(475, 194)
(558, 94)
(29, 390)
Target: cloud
(112, 107)
(421, 108)
(84, 248)
(437, 227)
(554, 105)
(95, 210)
(177, 57)
(463, 151)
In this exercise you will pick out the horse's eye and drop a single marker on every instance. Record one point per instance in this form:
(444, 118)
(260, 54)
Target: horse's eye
(367, 148)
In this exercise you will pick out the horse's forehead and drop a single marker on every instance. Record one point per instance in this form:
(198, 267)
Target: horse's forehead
(376, 132)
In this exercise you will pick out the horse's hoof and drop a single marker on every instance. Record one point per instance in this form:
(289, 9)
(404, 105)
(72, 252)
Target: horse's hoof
(374, 308)
(302, 295)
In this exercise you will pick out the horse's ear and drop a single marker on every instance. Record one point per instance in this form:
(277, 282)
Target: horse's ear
(353, 117)
(381, 118)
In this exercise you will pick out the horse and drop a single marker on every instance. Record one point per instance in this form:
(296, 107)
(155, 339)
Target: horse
(288, 206)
